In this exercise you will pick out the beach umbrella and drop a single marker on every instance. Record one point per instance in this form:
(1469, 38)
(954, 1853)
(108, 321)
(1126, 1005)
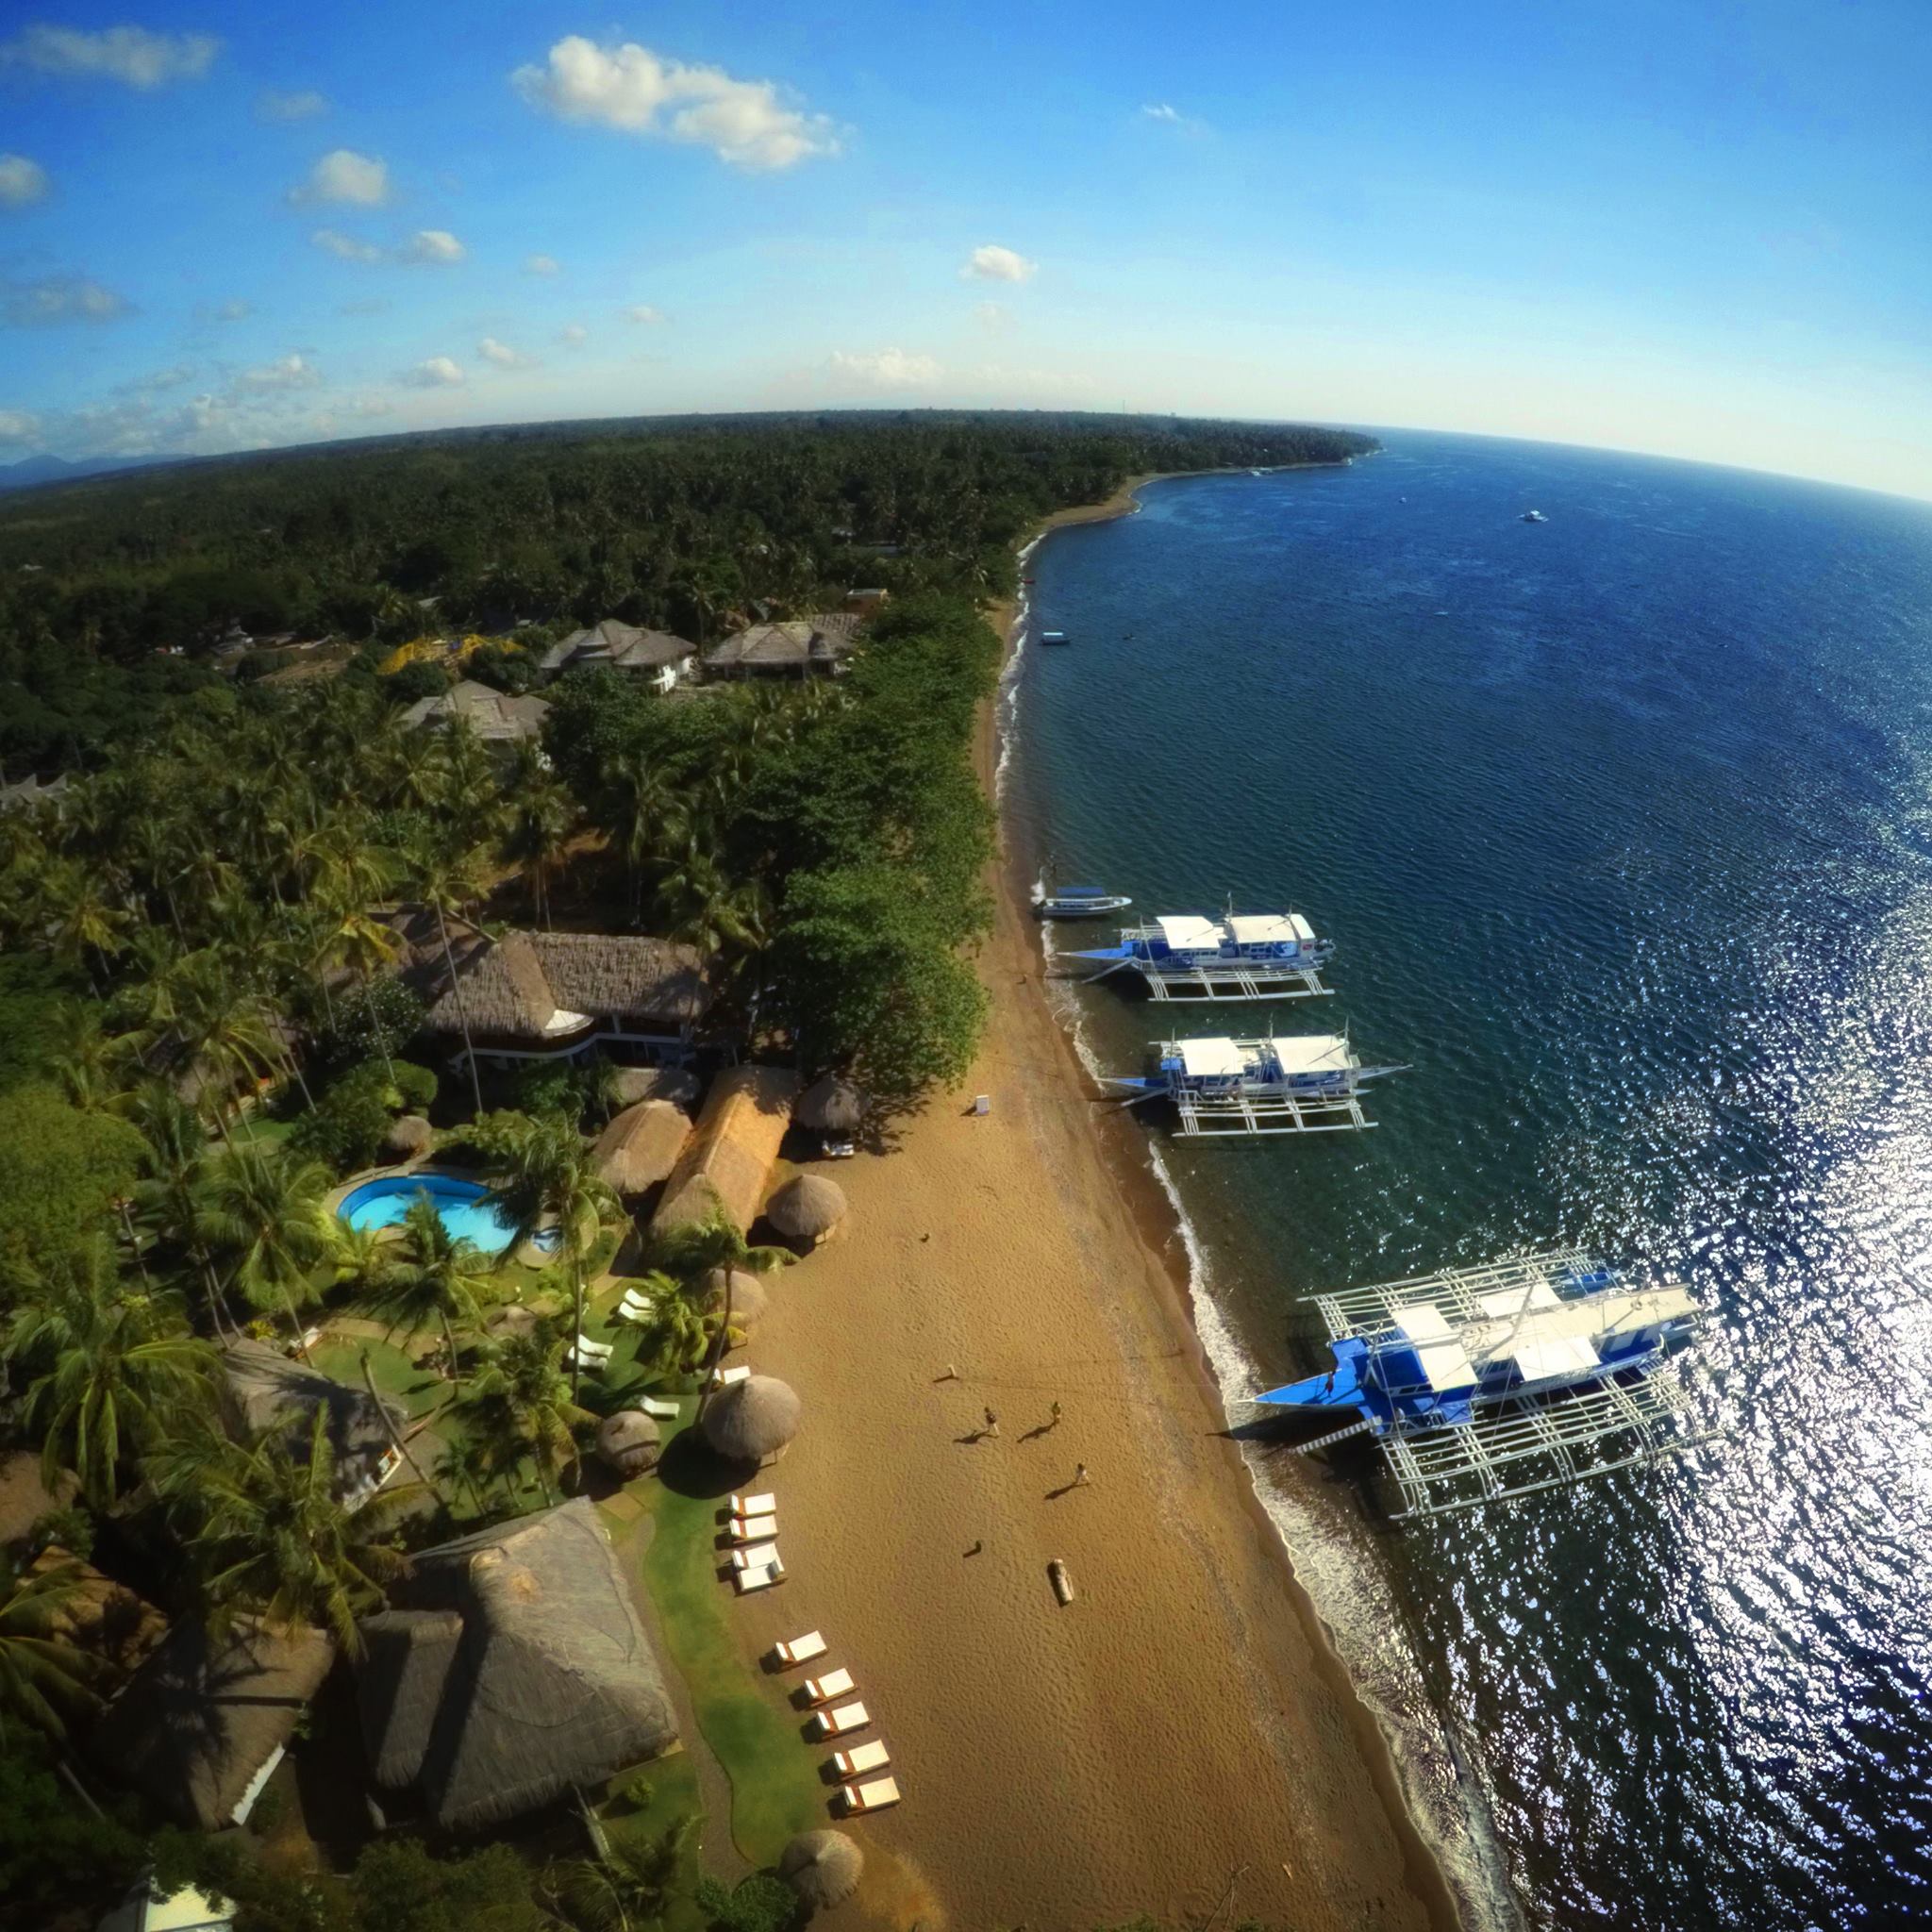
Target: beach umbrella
(806, 1208)
(822, 1867)
(409, 1136)
(753, 1420)
(628, 1442)
(833, 1105)
(748, 1297)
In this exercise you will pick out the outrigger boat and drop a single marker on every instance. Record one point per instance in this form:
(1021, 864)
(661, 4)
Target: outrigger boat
(1495, 1381)
(1075, 902)
(1300, 1083)
(1243, 955)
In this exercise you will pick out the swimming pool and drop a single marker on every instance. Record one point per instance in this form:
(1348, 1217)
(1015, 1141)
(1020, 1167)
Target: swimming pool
(467, 1208)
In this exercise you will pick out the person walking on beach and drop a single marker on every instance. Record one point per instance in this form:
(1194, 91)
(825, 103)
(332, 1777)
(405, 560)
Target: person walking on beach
(993, 1425)
(1079, 1475)
(1055, 1421)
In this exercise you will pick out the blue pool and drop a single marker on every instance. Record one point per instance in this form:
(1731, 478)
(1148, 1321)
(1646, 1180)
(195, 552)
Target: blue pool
(467, 1209)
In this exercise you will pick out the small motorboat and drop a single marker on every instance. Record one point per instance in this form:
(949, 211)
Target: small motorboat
(1054, 637)
(1533, 516)
(1075, 902)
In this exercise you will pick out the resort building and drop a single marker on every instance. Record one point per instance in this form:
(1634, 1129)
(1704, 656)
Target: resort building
(553, 995)
(652, 654)
(203, 1723)
(726, 1164)
(264, 1391)
(804, 647)
(513, 1669)
(494, 716)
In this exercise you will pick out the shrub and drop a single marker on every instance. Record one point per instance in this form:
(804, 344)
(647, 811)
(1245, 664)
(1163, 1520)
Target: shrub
(382, 1018)
(71, 1528)
(759, 1904)
(348, 1126)
(415, 1087)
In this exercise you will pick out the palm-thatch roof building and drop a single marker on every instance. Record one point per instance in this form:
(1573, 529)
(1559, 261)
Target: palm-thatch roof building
(808, 1210)
(639, 1146)
(833, 1105)
(496, 717)
(513, 1666)
(264, 1391)
(754, 1421)
(205, 1721)
(727, 1165)
(822, 1867)
(655, 654)
(815, 646)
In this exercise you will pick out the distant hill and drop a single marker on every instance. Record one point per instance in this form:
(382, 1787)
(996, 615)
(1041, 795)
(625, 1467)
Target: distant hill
(32, 471)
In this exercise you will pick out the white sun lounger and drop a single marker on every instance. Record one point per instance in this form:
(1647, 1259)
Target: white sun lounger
(754, 1506)
(762, 1578)
(664, 1411)
(753, 1529)
(842, 1717)
(724, 1377)
(834, 1683)
(875, 1796)
(594, 1363)
(754, 1556)
(585, 1347)
(801, 1650)
(861, 1758)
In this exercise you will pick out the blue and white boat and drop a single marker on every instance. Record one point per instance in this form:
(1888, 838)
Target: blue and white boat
(1297, 1083)
(1481, 1383)
(1075, 902)
(1243, 955)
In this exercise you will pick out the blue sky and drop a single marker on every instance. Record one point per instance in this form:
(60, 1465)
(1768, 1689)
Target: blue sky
(1703, 230)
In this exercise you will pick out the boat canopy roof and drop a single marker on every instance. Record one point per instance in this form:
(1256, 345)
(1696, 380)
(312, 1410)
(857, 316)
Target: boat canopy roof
(1444, 1364)
(1079, 893)
(1312, 1053)
(1270, 928)
(1188, 932)
(1211, 1059)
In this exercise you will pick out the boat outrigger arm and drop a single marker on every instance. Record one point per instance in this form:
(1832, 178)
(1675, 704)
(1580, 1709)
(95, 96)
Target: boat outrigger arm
(1494, 1382)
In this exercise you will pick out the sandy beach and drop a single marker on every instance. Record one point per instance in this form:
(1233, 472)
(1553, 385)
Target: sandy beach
(1180, 1738)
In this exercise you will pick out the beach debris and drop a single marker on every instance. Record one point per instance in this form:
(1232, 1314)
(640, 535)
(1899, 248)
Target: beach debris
(822, 1867)
(754, 1421)
(808, 1208)
(982, 1104)
(1062, 1583)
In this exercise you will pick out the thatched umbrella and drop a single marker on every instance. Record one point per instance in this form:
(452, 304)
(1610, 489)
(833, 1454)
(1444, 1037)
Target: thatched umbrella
(628, 1442)
(822, 1867)
(748, 1297)
(806, 1208)
(408, 1137)
(753, 1420)
(833, 1105)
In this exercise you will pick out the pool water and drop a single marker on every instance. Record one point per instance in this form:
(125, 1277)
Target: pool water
(467, 1208)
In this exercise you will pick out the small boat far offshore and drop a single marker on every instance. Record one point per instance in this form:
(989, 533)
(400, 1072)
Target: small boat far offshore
(1297, 1083)
(1533, 516)
(1499, 1380)
(1054, 637)
(1243, 955)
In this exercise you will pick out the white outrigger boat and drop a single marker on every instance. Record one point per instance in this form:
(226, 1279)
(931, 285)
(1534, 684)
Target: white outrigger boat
(1298, 1083)
(1500, 1380)
(1241, 956)
(1075, 902)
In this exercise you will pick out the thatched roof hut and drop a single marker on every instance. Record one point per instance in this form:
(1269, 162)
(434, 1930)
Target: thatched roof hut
(641, 1146)
(808, 1208)
(749, 1297)
(628, 1442)
(753, 1420)
(822, 1867)
(408, 1137)
(833, 1106)
(264, 1390)
(513, 1668)
(538, 988)
(727, 1165)
(205, 1716)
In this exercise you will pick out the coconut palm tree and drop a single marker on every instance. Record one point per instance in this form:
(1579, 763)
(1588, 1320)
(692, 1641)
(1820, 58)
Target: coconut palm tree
(169, 1198)
(635, 809)
(227, 1031)
(87, 924)
(263, 1210)
(116, 1368)
(549, 1177)
(520, 1404)
(631, 1886)
(44, 1682)
(690, 1254)
(542, 816)
(429, 1276)
(446, 882)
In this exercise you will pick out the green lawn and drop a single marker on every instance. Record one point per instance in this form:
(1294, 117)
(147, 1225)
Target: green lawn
(416, 1391)
(673, 1797)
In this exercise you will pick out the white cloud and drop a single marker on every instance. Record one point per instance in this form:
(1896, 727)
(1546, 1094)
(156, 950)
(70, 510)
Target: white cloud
(58, 299)
(21, 181)
(1159, 111)
(503, 355)
(885, 369)
(346, 246)
(632, 90)
(127, 54)
(992, 315)
(995, 264)
(157, 380)
(573, 333)
(541, 265)
(372, 405)
(432, 245)
(289, 372)
(302, 105)
(642, 311)
(438, 372)
(343, 175)
(236, 310)
(18, 425)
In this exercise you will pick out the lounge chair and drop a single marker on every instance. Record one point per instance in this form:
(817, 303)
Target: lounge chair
(591, 1364)
(753, 1556)
(664, 1411)
(752, 1529)
(724, 1377)
(754, 1506)
(861, 1758)
(875, 1796)
(587, 1348)
(841, 1719)
(761, 1578)
(834, 1683)
(801, 1650)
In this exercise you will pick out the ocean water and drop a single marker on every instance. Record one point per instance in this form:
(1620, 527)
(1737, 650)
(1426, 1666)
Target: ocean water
(1623, 823)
